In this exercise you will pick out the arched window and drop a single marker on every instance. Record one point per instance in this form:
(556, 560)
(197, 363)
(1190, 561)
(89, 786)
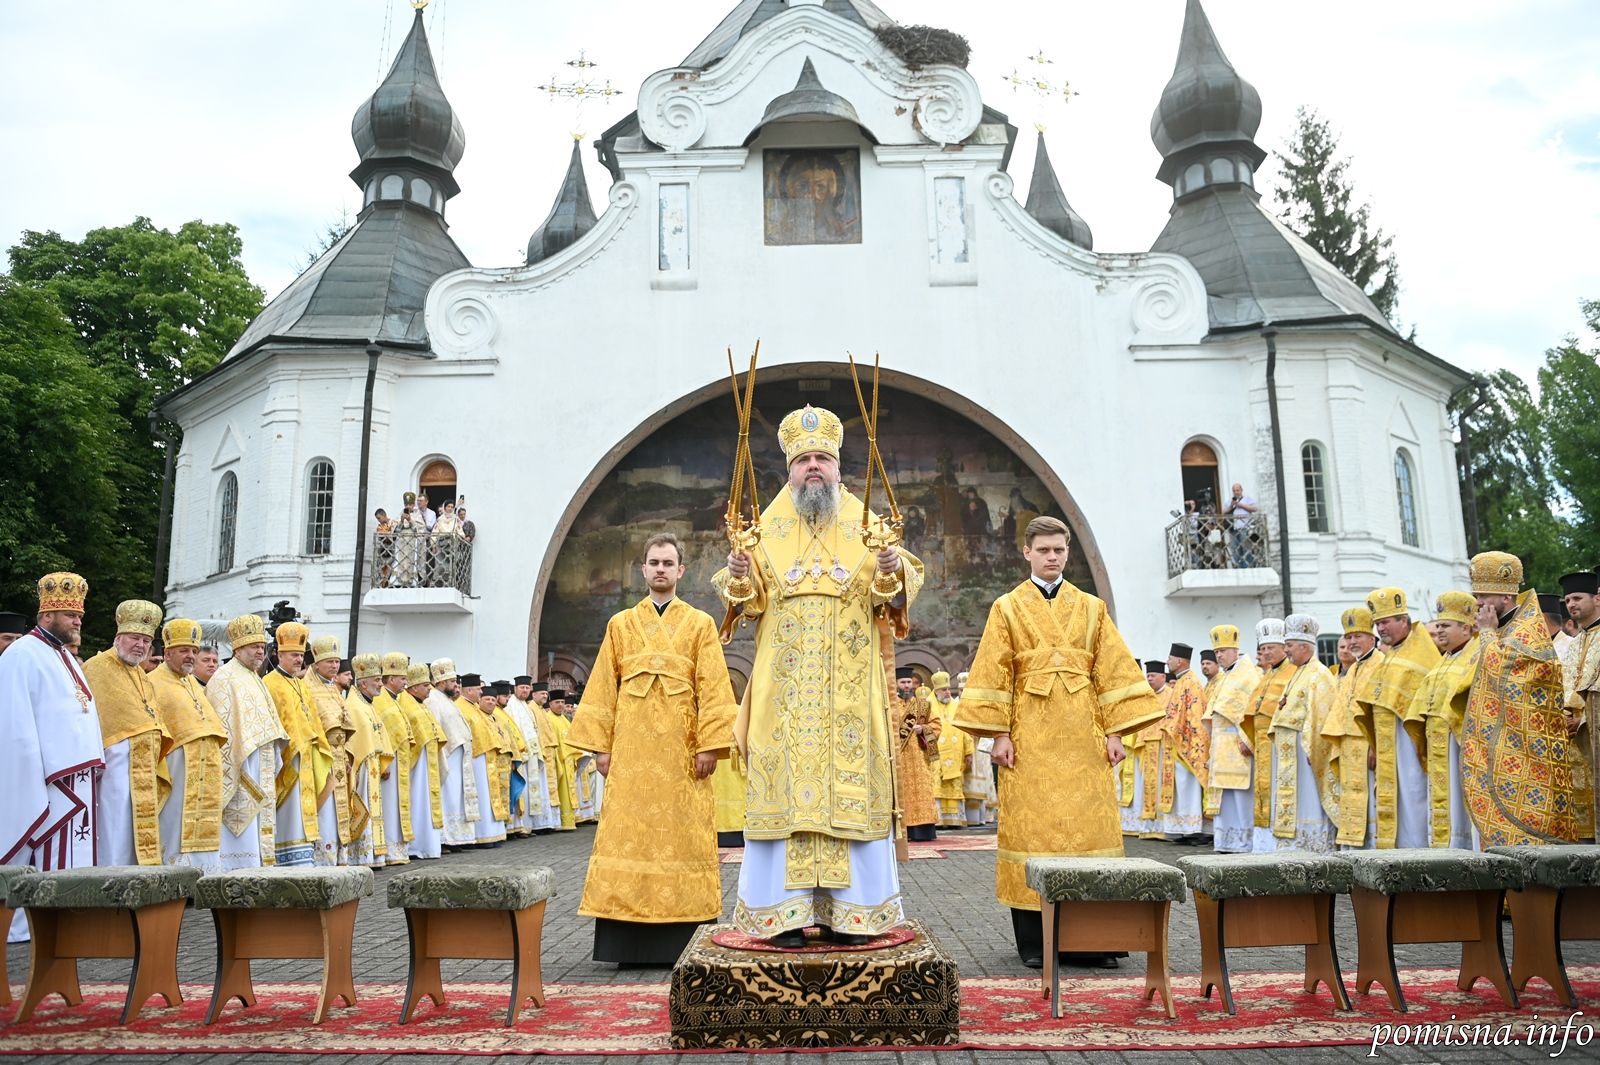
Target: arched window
(1200, 475)
(1313, 470)
(228, 513)
(1405, 494)
(319, 507)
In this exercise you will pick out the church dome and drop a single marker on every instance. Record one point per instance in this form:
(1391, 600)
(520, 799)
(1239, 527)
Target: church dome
(1207, 108)
(408, 118)
(570, 217)
(1048, 204)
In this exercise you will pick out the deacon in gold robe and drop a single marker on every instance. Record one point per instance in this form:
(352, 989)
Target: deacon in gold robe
(1580, 682)
(917, 734)
(458, 787)
(304, 755)
(564, 760)
(728, 783)
(339, 819)
(956, 748)
(135, 782)
(541, 814)
(394, 787)
(1057, 688)
(1146, 751)
(1351, 801)
(191, 819)
(1517, 760)
(371, 759)
(815, 722)
(250, 757)
(1441, 705)
(424, 811)
(1230, 779)
(1400, 784)
(1299, 752)
(657, 714)
(1256, 732)
(1186, 749)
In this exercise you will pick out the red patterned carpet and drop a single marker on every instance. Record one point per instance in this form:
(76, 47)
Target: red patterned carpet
(975, 842)
(996, 1014)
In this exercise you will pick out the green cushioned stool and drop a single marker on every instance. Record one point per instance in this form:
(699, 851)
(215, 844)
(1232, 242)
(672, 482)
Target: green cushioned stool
(473, 911)
(304, 912)
(1559, 902)
(1104, 904)
(107, 911)
(1431, 895)
(8, 875)
(1281, 899)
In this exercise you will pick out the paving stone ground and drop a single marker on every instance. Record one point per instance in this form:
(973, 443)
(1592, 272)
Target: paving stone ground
(954, 896)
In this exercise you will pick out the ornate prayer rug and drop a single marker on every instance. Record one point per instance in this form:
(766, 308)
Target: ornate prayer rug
(935, 849)
(997, 1013)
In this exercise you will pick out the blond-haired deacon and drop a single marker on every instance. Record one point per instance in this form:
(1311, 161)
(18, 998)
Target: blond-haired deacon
(1229, 800)
(1299, 752)
(135, 781)
(1057, 688)
(340, 821)
(1517, 760)
(371, 758)
(1350, 758)
(1400, 786)
(426, 808)
(250, 758)
(1441, 705)
(816, 731)
(303, 753)
(191, 819)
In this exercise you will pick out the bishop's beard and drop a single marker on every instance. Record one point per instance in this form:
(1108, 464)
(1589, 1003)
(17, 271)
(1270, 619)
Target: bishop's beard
(818, 504)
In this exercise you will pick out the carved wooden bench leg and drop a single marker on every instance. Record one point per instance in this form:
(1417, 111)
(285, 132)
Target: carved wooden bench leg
(1050, 923)
(1483, 954)
(1322, 957)
(155, 956)
(338, 933)
(1375, 944)
(233, 971)
(527, 975)
(47, 972)
(1156, 978)
(422, 976)
(1212, 914)
(5, 973)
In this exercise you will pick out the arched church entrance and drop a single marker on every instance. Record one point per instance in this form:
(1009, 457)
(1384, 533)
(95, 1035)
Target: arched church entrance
(966, 483)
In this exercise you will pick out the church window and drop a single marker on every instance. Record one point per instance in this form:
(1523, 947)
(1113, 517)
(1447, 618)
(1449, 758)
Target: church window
(228, 523)
(319, 508)
(1314, 470)
(1194, 177)
(1221, 171)
(421, 192)
(392, 188)
(1405, 492)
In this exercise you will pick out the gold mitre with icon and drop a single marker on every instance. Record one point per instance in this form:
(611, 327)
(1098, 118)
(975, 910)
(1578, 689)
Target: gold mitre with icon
(1456, 606)
(366, 667)
(1496, 573)
(138, 617)
(291, 636)
(939, 680)
(62, 591)
(810, 429)
(1224, 637)
(1388, 603)
(395, 664)
(1358, 619)
(417, 674)
(181, 632)
(443, 669)
(245, 630)
(324, 648)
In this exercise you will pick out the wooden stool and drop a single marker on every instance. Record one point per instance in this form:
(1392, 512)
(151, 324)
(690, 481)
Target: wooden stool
(9, 874)
(1094, 904)
(1559, 901)
(1431, 895)
(108, 911)
(1281, 899)
(303, 912)
(473, 911)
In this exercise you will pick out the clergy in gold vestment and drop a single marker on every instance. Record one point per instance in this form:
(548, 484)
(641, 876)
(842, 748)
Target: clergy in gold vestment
(917, 734)
(1580, 682)
(728, 783)
(1152, 771)
(1256, 732)
(371, 757)
(1516, 755)
(135, 782)
(490, 761)
(339, 819)
(815, 724)
(1441, 705)
(1299, 751)
(394, 787)
(1185, 750)
(1399, 783)
(425, 741)
(1057, 688)
(563, 763)
(1350, 802)
(956, 750)
(191, 819)
(304, 755)
(657, 714)
(250, 758)
(1230, 782)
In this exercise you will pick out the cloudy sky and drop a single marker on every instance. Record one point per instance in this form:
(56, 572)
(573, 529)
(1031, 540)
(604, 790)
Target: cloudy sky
(1474, 124)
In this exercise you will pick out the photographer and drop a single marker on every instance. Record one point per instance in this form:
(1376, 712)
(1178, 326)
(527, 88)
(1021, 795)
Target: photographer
(1239, 509)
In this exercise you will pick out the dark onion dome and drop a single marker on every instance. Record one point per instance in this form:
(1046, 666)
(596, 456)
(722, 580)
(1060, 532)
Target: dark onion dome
(408, 118)
(1207, 109)
(809, 101)
(570, 217)
(1049, 206)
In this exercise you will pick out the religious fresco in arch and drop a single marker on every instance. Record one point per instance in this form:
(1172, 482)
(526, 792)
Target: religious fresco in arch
(965, 496)
(812, 195)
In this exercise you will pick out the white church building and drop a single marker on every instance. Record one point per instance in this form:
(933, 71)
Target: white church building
(795, 180)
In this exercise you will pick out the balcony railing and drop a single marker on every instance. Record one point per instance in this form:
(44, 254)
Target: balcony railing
(406, 559)
(1217, 542)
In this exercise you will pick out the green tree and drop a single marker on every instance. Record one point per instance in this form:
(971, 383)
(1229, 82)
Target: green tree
(1318, 201)
(1569, 401)
(149, 309)
(61, 456)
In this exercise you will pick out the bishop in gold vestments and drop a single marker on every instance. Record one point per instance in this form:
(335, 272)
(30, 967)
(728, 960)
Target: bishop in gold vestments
(1276, 672)
(191, 819)
(815, 722)
(1441, 705)
(1230, 784)
(657, 713)
(250, 757)
(1350, 801)
(1400, 785)
(304, 756)
(956, 749)
(1299, 752)
(1056, 686)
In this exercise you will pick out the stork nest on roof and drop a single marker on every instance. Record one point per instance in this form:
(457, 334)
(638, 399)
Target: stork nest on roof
(923, 46)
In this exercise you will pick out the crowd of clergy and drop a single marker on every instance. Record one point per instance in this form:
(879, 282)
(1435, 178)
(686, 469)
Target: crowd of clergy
(297, 757)
(1469, 728)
